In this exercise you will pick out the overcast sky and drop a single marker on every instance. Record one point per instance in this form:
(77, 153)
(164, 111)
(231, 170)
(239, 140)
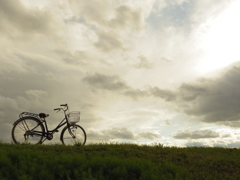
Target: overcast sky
(149, 71)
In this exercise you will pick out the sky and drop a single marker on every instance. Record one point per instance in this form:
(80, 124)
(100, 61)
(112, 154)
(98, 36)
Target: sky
(145, 72)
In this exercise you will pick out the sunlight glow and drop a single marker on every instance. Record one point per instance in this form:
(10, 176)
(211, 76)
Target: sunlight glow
(222, 41)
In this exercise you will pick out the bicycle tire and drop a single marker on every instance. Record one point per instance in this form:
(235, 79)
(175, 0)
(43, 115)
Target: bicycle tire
(79, 133)
(22, 131)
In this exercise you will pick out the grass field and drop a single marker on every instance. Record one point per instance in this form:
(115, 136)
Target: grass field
(117, 161)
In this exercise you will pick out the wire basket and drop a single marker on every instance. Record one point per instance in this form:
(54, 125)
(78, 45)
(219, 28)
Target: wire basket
(74, 117)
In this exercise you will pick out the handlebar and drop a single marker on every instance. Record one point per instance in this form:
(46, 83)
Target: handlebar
(65, 108)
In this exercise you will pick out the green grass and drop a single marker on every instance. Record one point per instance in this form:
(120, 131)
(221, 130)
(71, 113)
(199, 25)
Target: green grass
(117, 161)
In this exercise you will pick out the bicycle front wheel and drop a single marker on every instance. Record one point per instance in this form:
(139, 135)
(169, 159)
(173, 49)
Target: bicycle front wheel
(28, 130)
(73, 135)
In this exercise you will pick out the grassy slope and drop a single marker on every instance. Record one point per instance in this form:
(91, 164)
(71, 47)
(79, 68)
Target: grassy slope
(117, 161)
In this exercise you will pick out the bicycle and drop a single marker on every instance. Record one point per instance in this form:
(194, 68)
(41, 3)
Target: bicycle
(32, 128)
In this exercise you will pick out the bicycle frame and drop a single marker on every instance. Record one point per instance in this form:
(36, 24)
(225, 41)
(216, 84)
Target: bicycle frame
(32, 128)
(62, 123)
(48, 134)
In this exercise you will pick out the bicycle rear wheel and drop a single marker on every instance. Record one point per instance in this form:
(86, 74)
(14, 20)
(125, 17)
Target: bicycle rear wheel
(73, 135)
(28, 130)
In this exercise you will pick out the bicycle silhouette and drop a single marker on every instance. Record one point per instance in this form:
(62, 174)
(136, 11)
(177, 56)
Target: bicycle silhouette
(32, 128)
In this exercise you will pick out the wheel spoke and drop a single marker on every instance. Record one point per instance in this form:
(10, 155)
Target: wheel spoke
(21, 127)
(72, 135)
(25, 124)
(28, 131)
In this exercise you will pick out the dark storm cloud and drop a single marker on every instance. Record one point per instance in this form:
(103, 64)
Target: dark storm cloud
(198, 134)
(190, 91)
(210, 100)
(105, 82)
(233, 124)
(216, 100)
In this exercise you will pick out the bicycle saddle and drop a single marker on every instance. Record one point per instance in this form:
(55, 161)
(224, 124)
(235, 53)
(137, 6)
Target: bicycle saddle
(43, 115)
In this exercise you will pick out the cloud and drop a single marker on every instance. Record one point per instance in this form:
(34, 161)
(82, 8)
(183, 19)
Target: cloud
(114, 16)
(203, 9)
(126, 17)
(36, 94)
(110, 21)
(94, 12)
(108, 41)
(215, 100)
(9, 108)
(166, 59)
(198, 134)
(113, 83)
(16, 16)
(173, 14)
(234, 144)
(214, 142)
(111, 134)
(148, 135)
(233, 124)
(135, 93)
(63, 51)
(105, 82)
(167, 122)
(121, 133)
(197, 144)
(143, 64)
(165, 94)
(226, 135)
(7, 105)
